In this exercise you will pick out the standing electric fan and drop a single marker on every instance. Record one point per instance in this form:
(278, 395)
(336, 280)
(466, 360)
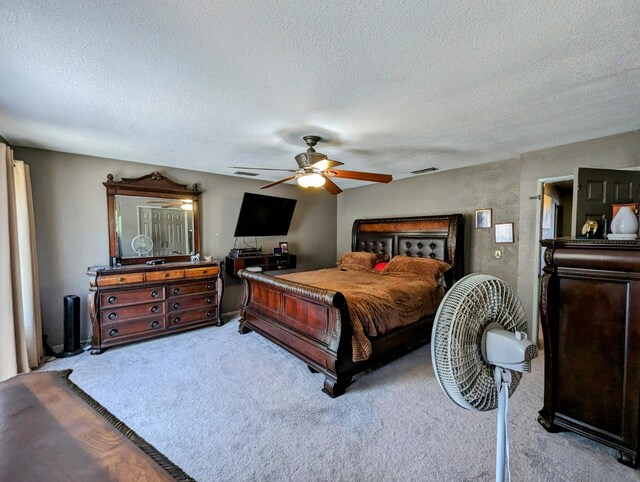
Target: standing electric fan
(142, 244)
(479, 349)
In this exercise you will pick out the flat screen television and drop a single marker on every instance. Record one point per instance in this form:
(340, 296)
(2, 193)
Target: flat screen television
(262, 215)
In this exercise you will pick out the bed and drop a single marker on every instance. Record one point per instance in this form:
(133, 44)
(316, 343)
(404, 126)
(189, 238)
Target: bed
(314, 323)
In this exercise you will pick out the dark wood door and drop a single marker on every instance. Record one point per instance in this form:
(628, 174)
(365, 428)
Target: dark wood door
(595, 190)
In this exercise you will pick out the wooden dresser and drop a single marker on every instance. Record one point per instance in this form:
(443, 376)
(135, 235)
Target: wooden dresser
(590, 313)
(136, 302)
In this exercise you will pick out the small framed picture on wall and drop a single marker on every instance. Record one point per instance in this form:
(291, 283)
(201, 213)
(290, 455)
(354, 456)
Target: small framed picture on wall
(483, 218)
(504, 232)
(284, 247)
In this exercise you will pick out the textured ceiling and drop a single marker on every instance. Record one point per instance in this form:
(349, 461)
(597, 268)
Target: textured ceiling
(396, 85)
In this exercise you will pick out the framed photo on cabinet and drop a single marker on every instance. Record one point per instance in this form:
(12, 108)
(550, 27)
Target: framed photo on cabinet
(284, 247)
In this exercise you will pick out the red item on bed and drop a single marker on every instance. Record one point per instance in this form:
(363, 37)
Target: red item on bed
(381, 265)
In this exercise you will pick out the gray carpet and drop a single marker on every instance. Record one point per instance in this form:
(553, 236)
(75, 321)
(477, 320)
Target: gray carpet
(229, 407)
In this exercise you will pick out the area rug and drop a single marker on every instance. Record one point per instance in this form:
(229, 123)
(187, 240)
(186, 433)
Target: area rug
(231, 407)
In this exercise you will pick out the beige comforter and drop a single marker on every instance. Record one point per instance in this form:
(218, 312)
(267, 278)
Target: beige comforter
(377, 303)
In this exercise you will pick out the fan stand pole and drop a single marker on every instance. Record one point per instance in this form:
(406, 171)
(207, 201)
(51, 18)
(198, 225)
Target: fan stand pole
(503, 381)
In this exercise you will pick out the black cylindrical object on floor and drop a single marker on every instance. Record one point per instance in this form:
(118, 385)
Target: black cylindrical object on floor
(71, 326)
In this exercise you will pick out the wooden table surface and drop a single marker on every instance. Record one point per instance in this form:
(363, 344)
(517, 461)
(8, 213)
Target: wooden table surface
(52, 430)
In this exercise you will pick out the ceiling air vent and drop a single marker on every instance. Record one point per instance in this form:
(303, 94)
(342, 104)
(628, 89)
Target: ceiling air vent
(244, 173)
(422, 171)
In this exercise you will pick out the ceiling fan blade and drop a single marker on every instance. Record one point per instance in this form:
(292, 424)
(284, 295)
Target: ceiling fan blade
(331, 186)
(361, 176)
(278, 182)
(326, 164)
(262, 169)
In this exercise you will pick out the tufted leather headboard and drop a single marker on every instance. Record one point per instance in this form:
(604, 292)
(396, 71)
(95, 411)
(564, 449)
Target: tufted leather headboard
(440, 237)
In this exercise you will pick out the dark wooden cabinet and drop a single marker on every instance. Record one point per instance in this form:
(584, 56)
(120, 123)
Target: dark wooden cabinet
(136, 302)
(590, 314)
(268, 262)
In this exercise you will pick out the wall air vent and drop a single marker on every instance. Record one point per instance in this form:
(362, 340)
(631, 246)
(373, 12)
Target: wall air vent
(245, 173)
(422, 171)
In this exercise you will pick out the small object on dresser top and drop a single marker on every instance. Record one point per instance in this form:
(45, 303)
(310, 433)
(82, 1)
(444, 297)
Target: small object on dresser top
(156, 261)
(255, 269)
(195, 258)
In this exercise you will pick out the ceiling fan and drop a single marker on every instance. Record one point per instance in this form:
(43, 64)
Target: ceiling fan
(186, 204)
(316, 170)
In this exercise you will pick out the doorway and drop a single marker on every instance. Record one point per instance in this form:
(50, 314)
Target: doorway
(553, 220)
(167, 228)
(592, 193)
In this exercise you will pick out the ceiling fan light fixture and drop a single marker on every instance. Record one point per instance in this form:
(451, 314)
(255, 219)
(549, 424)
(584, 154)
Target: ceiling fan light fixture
(312, 179)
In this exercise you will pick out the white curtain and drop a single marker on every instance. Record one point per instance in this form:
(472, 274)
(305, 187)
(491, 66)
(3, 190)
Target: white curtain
(20, 319)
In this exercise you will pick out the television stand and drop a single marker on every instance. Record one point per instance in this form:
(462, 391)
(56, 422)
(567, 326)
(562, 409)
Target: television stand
(267, 262)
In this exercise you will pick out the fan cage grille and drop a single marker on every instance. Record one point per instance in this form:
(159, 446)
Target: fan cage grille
(456, 347)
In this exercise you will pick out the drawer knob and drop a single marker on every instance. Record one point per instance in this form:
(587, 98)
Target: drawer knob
(176, 291)
(155, 324)
(155, 294)
(122, 279)
(113, 316)
(154, 309)
(113, 332)
(112, 299)
(209, 286)
(209, 300)
(209, 313)
(166, 275)
(176, 306)
(176, 320)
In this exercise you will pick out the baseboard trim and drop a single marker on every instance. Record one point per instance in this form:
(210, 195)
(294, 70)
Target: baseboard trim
(84, 344)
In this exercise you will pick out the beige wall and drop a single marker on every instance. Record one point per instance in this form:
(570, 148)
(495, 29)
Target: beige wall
(71, 217)
(505, 186)
(71, 223)
(495, 186)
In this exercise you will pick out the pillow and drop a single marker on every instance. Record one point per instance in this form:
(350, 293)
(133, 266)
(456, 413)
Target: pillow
(423, 267)
(360, 259)
(380, 265)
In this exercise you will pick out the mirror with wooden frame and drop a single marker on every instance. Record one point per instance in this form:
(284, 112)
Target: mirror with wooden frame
(152, 217)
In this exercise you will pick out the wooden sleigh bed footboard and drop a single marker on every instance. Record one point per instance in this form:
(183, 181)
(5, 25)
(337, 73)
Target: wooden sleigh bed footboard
(313, 324)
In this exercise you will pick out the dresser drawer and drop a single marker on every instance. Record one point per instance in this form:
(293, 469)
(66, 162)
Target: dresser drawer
(115, 314)
(165, 275)
(176, 320)
(119, 330)
(179, 304)
(129, 297)
(120, 279)
(198, 272)
(191, 288)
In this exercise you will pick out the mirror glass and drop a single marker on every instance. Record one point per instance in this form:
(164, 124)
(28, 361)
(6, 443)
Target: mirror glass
(153, 226)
